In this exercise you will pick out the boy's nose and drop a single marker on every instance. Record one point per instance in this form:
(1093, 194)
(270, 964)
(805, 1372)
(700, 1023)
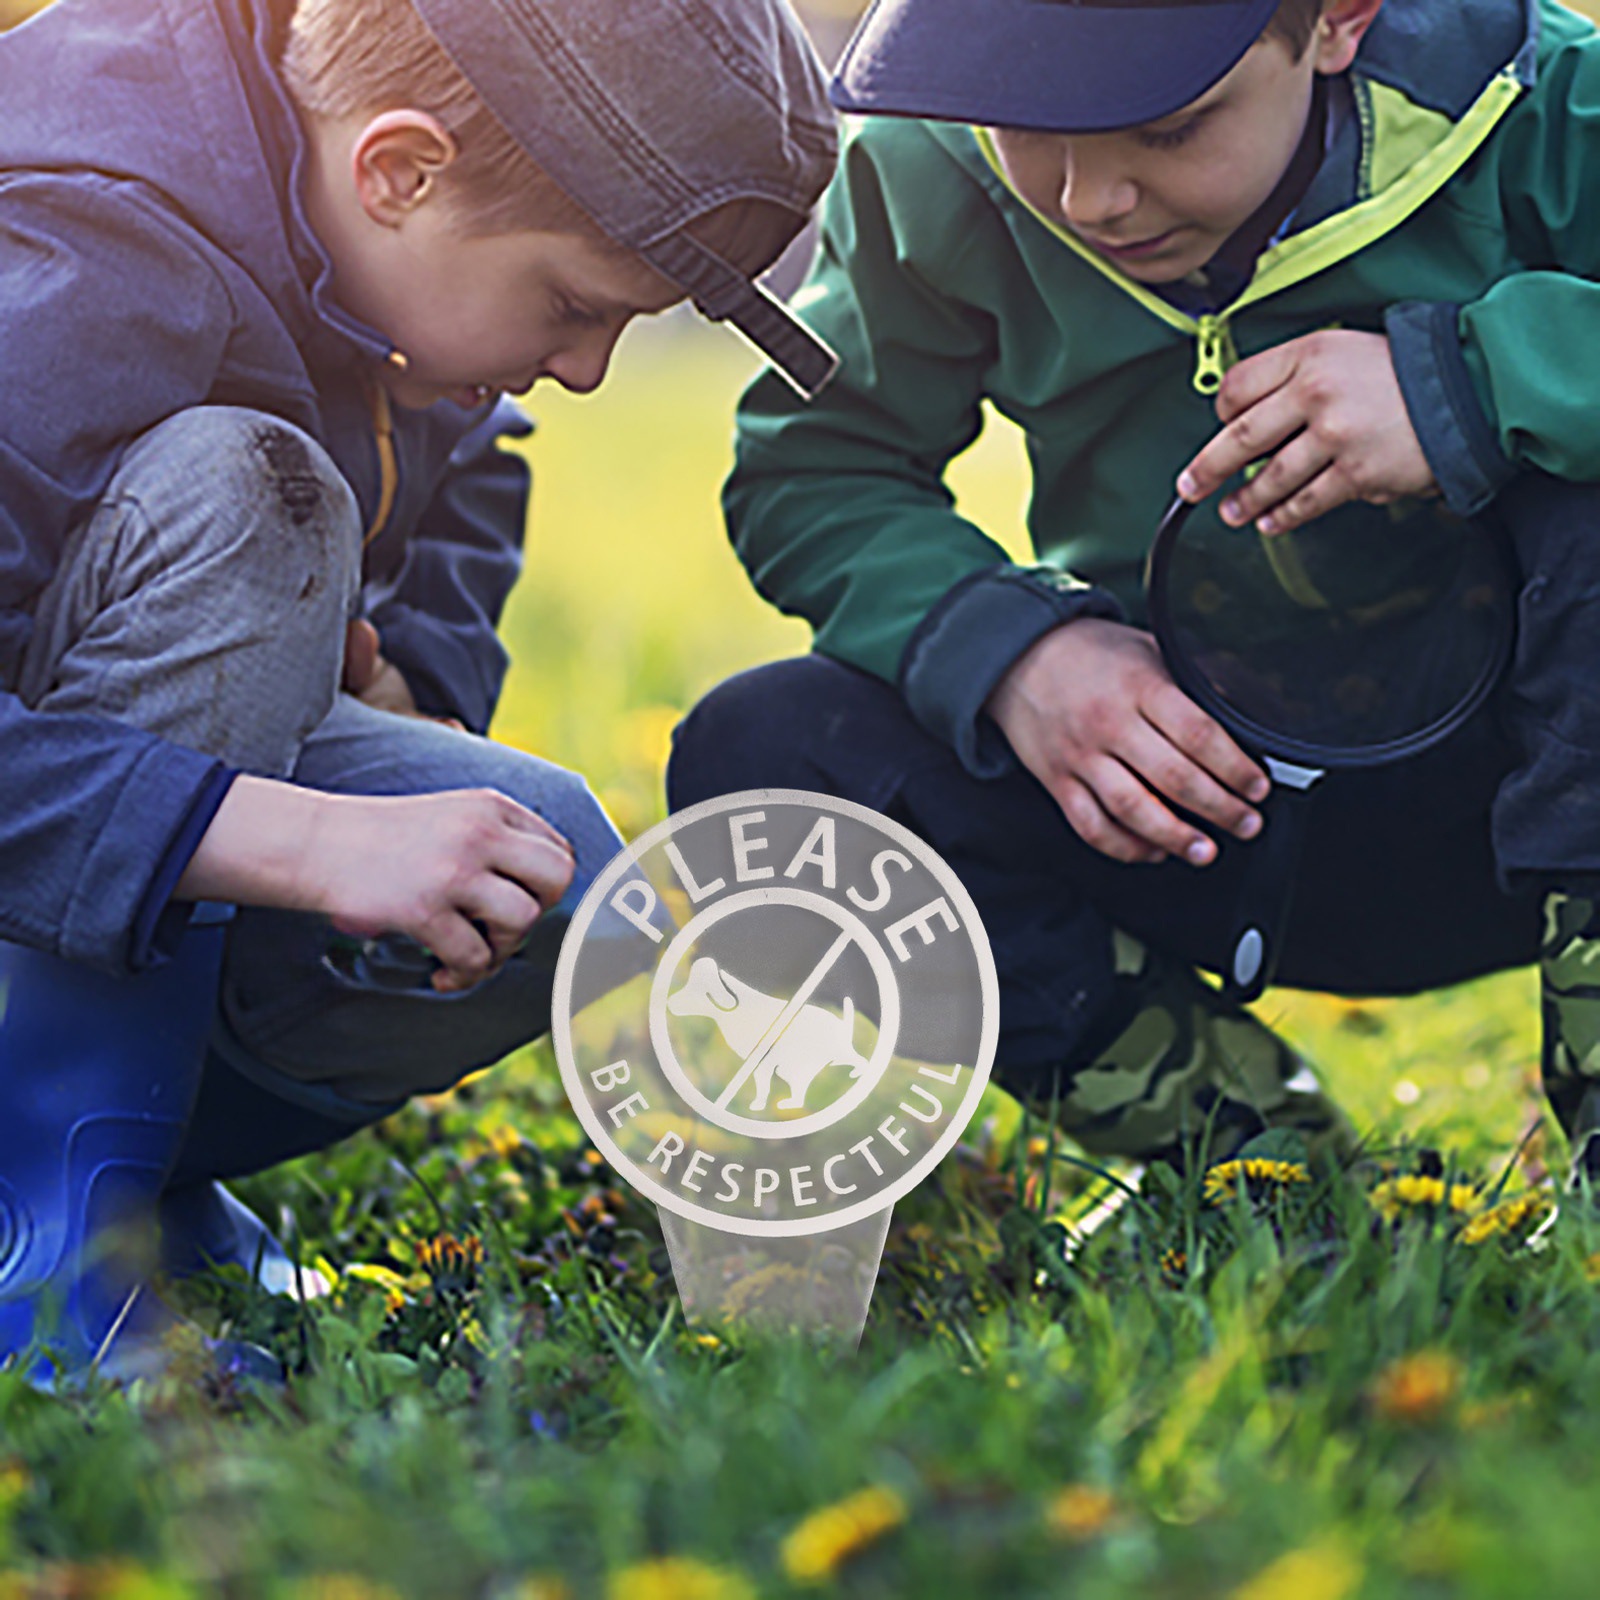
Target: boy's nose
(1095, 191)
(581, 367)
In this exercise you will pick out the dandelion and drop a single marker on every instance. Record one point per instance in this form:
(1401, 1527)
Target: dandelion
(595, 1213)
(678, 1578)
(452, 1263)
(1417, 1388)
(1262, 1177)
(394, 1287)
(503, 1140)
(817, 1547)
(1415, 1192)
(1507, 1217)
(1174, 1267)
(1325, 1571)
(1079, 1512)
(708, 1341)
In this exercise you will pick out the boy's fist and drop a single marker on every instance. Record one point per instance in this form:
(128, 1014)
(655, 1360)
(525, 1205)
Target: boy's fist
(1327, 410)
(465, 873)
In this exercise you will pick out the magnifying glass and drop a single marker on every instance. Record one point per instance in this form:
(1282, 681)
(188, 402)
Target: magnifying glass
(1362, 638)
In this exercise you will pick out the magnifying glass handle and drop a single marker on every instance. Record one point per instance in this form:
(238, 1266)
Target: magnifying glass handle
(1267, 892)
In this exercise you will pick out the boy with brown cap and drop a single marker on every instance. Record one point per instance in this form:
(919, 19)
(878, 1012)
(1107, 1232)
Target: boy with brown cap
(261, 289)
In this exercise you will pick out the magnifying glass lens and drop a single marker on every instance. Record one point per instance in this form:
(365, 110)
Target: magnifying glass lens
(1348, 640)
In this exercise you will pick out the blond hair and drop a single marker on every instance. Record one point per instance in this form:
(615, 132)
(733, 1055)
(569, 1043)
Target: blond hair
(349, 58)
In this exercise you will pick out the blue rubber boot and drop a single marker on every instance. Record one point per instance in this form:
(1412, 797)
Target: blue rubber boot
(247, 1117)
(98, 1076)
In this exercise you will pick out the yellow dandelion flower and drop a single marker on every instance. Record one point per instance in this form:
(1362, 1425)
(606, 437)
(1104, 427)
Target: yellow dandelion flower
(819, 1545)
(1326, 1571)
(1079, 1512)
(1259, 1173)
(1413, 1192)
(1507, 1217)
(1417, 1388)
(708, 1341)
(678, 1578)
(393, 1285)
(444, 1255)
(1174, 1267)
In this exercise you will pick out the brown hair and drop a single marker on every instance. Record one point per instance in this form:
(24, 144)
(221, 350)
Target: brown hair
(360, 57)
(1294, 22)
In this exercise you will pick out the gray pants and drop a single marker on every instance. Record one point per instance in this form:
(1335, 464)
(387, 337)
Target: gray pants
(206, 601)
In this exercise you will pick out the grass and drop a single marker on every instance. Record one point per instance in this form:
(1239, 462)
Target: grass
(1281, 1394)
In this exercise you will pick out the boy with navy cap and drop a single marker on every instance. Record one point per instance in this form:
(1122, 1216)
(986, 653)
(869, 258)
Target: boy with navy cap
(1355, 235)
(265, 271)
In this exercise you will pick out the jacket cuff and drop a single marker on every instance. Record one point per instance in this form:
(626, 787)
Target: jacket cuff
(974, 636)
(161, 921)
(1451, 424)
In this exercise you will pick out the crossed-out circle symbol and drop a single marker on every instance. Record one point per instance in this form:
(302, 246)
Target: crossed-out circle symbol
(853, 931)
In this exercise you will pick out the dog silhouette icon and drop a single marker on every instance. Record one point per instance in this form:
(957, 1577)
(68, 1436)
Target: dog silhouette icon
(814, 1040)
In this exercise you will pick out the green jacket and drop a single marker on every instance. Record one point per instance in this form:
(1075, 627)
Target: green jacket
(1459, 211)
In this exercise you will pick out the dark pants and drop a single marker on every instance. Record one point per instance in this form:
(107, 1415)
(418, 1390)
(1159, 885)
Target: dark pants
(1396, 891)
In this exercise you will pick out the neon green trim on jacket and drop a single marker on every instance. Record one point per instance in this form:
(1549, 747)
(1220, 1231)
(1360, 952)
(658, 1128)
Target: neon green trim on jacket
(1410, 153)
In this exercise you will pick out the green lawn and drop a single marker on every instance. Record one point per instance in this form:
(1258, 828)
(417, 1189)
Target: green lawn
(1283, 1395)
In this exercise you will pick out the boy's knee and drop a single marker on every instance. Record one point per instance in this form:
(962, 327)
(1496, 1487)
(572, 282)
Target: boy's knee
(744, 733)
(231, 483)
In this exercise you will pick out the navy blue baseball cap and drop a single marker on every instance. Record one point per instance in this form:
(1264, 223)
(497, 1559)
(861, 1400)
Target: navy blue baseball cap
(1061, 66)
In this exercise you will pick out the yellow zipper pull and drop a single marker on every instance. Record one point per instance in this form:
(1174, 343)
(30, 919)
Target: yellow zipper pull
(1214, 353)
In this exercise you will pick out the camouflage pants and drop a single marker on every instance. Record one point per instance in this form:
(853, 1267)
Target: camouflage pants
(1188, 1072)
(1569, 984)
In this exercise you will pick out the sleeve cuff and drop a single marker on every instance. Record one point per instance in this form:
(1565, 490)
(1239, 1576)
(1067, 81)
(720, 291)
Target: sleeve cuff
(973, 637)
(1451, 424)
(161, 920)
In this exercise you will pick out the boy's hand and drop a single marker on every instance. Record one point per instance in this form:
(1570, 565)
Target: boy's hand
(464, 873)
(1328, 408)
(376, 681)
(1092, 713)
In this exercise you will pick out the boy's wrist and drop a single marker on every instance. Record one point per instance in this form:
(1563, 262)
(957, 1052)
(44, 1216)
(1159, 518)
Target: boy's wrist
(966, 646)
(259, 847)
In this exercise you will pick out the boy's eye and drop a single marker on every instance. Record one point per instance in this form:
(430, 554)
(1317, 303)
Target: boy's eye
(1170, 138)
(569, 311)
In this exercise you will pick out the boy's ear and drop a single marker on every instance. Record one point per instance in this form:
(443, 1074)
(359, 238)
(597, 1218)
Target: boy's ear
(1339, 32)
(397, 161)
